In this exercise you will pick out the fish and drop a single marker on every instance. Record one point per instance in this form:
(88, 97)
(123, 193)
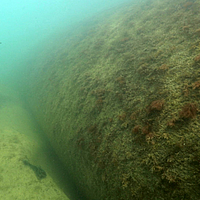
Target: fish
(39, 172)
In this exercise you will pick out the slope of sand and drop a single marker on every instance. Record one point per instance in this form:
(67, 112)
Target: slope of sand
(18, 181)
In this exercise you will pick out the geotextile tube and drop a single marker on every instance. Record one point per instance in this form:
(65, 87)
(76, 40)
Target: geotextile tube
(119, 97)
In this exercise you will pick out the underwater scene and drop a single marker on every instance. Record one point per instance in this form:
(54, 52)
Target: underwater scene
(100, 100)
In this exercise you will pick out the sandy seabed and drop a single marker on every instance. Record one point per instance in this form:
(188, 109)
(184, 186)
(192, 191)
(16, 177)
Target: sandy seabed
(18, 181)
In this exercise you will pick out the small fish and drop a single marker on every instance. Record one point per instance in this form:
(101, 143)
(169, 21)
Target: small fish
(39, 172)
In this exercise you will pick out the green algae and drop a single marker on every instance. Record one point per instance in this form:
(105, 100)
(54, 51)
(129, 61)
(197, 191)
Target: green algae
(99, 99)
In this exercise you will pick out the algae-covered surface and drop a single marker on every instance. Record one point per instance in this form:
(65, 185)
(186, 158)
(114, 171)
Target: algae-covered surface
(118, 97)
(18, 181)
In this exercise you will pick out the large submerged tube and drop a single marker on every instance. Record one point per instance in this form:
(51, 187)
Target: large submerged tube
(118, 97)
